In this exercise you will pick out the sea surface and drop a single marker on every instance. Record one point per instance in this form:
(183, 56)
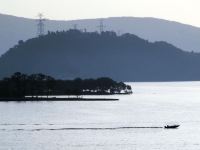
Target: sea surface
(107, 125)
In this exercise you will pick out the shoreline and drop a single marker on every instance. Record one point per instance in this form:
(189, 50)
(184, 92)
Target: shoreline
(54, 99)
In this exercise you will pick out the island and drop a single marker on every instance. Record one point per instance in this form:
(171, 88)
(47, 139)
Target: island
(40, 87)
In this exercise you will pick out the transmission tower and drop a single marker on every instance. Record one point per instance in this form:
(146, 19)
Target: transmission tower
(75, 26)
(101, 26)
(40, 25)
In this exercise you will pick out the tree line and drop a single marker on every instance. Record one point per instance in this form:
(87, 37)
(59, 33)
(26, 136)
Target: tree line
(20, 85)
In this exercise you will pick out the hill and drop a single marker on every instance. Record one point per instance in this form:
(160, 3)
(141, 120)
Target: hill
(182, 36)
(70, 54)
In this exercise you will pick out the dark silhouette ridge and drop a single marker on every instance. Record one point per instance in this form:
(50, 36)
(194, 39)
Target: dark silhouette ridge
(21, 85)
(70, 54)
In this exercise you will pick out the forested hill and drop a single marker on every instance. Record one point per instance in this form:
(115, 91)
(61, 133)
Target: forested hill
(73, 53)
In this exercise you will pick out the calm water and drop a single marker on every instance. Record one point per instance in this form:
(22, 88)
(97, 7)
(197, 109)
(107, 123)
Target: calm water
(50, 125)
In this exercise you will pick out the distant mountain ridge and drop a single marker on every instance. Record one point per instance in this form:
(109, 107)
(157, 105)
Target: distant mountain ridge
(73, 53)
(182, 36)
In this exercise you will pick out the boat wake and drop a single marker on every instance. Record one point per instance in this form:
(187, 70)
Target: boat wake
(61, 129)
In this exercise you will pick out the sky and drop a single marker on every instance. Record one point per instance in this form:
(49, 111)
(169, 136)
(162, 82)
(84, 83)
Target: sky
(184, 11)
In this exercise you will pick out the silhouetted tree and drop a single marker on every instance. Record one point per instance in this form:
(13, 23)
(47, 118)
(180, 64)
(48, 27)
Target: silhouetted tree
(20, 85)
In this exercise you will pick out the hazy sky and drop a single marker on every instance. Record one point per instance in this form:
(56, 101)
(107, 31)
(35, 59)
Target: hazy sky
(185, 11)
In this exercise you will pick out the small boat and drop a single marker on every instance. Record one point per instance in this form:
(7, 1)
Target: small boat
(171, 126)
